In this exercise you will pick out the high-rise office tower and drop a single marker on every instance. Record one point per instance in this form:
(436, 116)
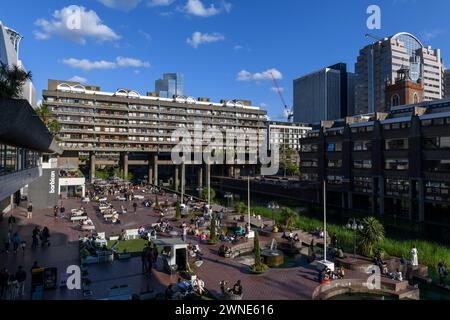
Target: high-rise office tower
(447, 83)
(379, 62)
(172, 84)
(326, 94)
(9, 55)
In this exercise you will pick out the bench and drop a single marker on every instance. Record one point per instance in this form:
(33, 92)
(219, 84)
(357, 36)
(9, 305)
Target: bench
(132, 234)
(78, 218)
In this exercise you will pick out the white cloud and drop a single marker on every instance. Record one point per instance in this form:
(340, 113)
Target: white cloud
(277, 90)
(431, 34)
(244, 75)
(78, 79)
(159, 3)
(120, 62)
(125, 5)
(199, 38)
(197, 8)
(75, 23)
(238, 47)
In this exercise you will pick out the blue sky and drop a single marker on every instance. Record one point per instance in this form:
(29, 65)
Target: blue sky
(232, 48)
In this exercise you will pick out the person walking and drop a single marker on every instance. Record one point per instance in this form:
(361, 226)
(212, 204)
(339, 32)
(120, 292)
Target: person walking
(13, 288)
(442, 274)
(55, 212)
(30, 210)
(62, 211)
(7, 242)
(4, 275)
(184, 233)
(144, 254)
(11, 222)
(21, 277)
(35, 237)
(16, 240)
(135, 207)
(45, 235)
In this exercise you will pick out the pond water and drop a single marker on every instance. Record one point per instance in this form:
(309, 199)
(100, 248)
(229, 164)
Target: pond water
(363, 297)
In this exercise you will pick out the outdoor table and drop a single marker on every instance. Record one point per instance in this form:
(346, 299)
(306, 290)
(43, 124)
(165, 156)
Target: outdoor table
(108, 216)
(121, 199)
(85, 200)
(139, 197)
(103, 199)
(77, 212)
(78, 218)
(87, 227)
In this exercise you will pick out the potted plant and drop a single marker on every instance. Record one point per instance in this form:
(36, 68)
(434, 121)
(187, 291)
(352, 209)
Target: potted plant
(213, 234)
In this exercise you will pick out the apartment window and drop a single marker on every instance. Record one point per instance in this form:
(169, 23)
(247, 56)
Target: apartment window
(395, 100)
(397, 187)
(436, 190)
(309, 177)
(437, 165)
(396, 144)
(362, 145)
(336, 180)
(334, 163)
(437, 143)
(334, 147)
(362, 164)
(363, 184)
(397, 164)
(309, 148)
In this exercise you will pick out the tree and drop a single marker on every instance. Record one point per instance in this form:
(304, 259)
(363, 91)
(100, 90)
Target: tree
(212, 194)
(212, 231)
(259, 266)
(45, 113)
(177, 211)
(289, 217)
(240, 207)
(12, 80)
(157, 205)
(370, 236)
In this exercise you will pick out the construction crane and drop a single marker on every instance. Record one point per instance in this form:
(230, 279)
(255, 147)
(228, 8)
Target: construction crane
(288, 114)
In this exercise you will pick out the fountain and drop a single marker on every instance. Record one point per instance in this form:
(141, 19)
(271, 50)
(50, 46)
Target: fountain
(273, 257)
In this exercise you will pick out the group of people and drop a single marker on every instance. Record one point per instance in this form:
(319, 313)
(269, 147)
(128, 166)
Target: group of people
(327, 275)
(12, 285)
(41, 236)
(236, 289)
(149, 256)
(225, 251)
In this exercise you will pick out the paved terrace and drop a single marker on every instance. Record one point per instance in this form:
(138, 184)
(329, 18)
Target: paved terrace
(282, 284)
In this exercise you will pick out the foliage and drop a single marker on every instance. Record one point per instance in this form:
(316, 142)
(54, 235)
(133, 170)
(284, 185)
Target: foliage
(240, 207)
(259, 266)
(289, 218)
(370, 236)
(157, 204)
(205, 194)
(12, 80)
(212, 232)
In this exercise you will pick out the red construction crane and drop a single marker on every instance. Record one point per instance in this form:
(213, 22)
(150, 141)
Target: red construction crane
(287, 112)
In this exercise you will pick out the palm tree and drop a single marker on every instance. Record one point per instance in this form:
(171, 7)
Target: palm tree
(370, 236)
(259, 266)
(45, 113)
(12, 79)
(178, 211)
(289, 218)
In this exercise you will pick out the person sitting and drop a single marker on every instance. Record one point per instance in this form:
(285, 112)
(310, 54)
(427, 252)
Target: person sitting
(296, 238)
(340, 273)
(141, 231)
(237, 288)
(397, 275)
(222, 251)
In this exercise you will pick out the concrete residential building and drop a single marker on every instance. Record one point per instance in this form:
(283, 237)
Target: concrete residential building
(127, 129)
(379, 62)
(394, 163)
(447, 83)
(172, 85)
(323, 95)
(9, 55)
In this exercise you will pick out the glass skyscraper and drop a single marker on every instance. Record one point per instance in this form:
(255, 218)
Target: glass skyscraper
(171, 85)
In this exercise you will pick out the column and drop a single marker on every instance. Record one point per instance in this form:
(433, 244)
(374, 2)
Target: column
(92, 170)
(381, 193)
(125, 165)
(421, 196)
(350, 200)
(150, 173)
(200, 177)
(176, 178)
(183, 181)
(155, 170)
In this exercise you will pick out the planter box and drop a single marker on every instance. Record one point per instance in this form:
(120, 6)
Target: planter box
(124, 256)
(114, 238)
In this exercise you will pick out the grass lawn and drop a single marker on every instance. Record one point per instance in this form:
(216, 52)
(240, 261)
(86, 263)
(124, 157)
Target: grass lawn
(131, 246)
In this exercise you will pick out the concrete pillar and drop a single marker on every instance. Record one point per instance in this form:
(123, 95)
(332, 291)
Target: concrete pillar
(150, 173)
(183, 180)
(231, 171)
(92, 170)
(350, 200)
(381, 195)
(176, 178)
(200, 177)
(421, 195)
(155, 170)
(125, 165)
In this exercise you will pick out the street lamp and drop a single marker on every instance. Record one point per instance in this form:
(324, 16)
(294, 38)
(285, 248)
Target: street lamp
(273, 206)
(354, 225)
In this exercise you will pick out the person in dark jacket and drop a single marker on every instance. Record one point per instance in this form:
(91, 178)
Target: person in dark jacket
(21, 277)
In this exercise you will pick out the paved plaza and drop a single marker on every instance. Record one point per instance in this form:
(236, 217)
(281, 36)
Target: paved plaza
(279, 284)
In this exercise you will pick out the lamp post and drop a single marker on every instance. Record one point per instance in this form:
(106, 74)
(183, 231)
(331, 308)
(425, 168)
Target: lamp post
(354, 225)
(273, 206)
